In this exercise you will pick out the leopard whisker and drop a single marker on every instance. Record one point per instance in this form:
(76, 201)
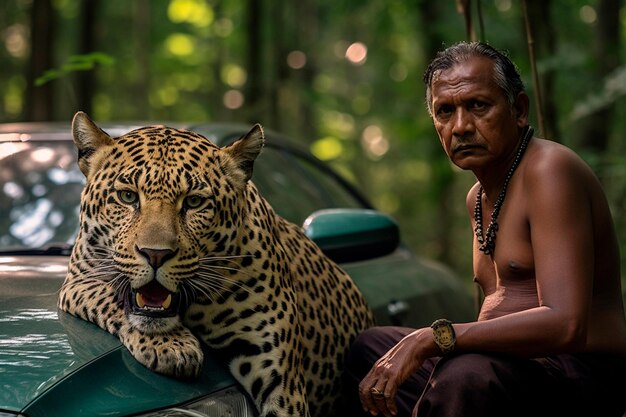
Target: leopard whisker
(222, 282)
(226, 268)
(229, 258)
(207, 292)
(102, 260)
(101, 250)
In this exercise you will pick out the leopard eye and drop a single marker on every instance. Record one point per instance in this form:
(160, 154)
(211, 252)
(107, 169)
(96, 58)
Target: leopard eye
(193, 201)
(128, 197)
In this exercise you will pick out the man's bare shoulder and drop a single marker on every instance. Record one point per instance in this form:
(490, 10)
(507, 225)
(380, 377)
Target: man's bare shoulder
(548, 163)
(470, 199)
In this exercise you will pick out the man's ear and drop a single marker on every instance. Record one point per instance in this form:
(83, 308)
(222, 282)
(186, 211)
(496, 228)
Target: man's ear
(521, 106)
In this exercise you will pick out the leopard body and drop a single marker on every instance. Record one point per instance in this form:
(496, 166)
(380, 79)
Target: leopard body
(177, 246)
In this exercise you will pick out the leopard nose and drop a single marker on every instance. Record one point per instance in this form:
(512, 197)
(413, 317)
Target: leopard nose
(156, 257)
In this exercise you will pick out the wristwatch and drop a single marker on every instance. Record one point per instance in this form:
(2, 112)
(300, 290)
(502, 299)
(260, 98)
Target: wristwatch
(443, 334)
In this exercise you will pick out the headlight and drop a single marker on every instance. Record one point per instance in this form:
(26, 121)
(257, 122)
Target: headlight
(229, 402)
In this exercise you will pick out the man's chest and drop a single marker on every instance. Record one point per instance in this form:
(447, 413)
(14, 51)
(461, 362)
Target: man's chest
(512, 261)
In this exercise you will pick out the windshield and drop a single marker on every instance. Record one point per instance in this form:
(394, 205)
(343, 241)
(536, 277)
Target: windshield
(40, 186)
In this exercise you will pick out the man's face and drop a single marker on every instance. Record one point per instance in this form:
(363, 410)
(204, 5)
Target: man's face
(473, 119)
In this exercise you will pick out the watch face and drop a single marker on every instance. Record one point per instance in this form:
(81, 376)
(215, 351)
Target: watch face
(444, 335)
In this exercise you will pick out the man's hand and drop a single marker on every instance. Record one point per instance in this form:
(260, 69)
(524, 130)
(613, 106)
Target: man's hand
(379, 387)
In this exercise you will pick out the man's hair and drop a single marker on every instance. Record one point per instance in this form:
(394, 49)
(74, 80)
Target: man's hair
(505, 73)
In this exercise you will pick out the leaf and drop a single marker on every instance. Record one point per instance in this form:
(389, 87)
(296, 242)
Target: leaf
(614, 89)
(49, 75)
(83, 62)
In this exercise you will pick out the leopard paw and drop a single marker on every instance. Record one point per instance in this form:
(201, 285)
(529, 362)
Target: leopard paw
(176, 353)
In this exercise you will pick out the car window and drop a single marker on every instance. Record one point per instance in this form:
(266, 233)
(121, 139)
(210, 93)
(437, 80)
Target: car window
(296, 187)
(40, 186)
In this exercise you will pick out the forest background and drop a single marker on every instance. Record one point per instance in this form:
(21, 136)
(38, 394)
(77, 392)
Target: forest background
(344, 77)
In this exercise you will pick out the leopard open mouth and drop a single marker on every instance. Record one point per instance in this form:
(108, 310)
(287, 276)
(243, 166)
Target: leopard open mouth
(153, 300)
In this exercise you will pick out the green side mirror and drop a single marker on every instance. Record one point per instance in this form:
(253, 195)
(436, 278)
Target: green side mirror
(348, 235)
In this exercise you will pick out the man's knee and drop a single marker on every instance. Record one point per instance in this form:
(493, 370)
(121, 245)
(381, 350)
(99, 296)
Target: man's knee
(480, 384)
(473, 371)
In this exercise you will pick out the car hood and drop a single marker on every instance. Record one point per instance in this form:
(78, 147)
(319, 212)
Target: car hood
(49, 358)
(38, 344)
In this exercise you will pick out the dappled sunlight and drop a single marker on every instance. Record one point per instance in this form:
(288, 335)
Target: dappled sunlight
(357, 53)
(16, 40)
(13, 98)
(9, 148)
(340, 124)
(233, 99)
(503, 5)
(180, 44)
(196, 12)
(234, 75)
(327, 148)
(323, 83)
(186, 81)
(42, 155)
(164, 96)
(345, 80)
(296, 59)
(223, 27)
(373, 142)
(39, 193)
(588, 14)
(30, 226)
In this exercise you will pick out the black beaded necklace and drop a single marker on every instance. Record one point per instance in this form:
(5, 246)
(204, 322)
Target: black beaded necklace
(487, 244)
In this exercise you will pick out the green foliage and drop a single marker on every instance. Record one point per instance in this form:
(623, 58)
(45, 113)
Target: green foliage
(85, 62)
(613, 90)
(342, 76)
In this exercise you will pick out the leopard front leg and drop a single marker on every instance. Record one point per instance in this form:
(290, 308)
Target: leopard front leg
(277, 389)
(176, 353)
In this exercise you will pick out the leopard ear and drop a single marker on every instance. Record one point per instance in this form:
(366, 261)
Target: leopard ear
(246, 149)
(88, 138)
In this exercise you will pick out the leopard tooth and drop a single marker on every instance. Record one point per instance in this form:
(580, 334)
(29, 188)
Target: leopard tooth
(168, 301)
(139, 300)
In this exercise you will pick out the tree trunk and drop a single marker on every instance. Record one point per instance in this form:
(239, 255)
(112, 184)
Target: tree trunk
(85, 79)
(142, 35)
(307, 33)
(254, 86)
(442, 183)
(39, 100)
(595, 129)
(277, 72)
(544, 36)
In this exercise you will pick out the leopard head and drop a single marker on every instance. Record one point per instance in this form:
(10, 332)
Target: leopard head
(160, 204)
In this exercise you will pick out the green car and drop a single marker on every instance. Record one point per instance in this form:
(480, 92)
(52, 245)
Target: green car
(52, 364)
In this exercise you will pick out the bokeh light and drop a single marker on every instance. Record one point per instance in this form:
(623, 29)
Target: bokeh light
(296, 59)
(233, 99)
(373, 142)
(357, 53)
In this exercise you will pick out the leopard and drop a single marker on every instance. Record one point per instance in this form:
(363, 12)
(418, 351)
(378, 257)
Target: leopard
(177, 248)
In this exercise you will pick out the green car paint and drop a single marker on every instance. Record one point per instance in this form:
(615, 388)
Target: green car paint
(55, 364)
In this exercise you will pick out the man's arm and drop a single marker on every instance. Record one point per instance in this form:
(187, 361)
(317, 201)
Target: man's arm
(558, 207)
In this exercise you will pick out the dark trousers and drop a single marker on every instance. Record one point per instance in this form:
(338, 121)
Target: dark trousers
(486, 385)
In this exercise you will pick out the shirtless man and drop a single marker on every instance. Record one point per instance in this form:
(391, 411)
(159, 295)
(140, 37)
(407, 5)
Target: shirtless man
(550, 338)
